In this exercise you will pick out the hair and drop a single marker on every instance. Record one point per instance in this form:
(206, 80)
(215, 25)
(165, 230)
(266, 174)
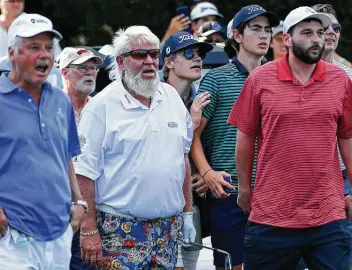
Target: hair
(165, 69)
(229, 48)
(122, 43)
(240, 28)
(325, 8)
(15, 43)
(292, 29)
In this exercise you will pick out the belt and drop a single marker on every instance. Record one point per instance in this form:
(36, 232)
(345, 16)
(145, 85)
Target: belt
(108, 209)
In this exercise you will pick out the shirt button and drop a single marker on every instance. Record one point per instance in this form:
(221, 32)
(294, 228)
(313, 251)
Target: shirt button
(29, 100)
(43, 125)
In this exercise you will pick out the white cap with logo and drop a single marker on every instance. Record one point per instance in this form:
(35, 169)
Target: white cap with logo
(76, 56)
(29, 25)
(204, 9)
(302, 13)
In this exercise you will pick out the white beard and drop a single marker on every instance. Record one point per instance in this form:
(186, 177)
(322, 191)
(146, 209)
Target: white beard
(142, 87)
(86, 89)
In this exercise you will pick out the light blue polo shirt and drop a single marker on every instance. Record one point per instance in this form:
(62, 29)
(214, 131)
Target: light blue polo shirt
(36, 143)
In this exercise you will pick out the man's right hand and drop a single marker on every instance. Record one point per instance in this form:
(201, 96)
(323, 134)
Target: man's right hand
(91, 249)
(216, 183)
(3, 223)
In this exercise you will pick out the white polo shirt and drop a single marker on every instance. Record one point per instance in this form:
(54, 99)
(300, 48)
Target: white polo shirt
(135, 153)
(3, 42)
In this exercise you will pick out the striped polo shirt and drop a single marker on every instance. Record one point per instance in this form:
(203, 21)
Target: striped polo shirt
(349, 73)
(298, 182)
(219, 138)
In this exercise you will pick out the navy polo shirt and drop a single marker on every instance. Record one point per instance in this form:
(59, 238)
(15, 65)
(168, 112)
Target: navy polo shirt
(36, 143)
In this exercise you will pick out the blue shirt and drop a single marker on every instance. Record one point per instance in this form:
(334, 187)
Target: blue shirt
(36, 143)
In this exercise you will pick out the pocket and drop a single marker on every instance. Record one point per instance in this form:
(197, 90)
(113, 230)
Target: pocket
(60, 122)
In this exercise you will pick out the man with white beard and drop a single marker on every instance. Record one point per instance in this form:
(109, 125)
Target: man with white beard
(134, 170)
(79, 74)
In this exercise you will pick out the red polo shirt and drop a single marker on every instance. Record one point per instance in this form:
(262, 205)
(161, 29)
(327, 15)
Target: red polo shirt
(298, 180)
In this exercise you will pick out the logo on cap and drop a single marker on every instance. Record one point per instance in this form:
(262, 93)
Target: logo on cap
(205, 8)
(184, 38)
(38, 21)
(168, 50)
(254, 8)
(309, 10)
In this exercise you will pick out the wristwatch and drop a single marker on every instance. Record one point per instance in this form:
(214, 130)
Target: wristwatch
(81, 202)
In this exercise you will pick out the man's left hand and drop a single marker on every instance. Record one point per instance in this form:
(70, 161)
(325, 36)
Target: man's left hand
(78, 212)
(348, 206)
(189, 232)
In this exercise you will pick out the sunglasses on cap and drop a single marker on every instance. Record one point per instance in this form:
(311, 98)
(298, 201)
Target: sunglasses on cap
(337, 27)
(191, 52)
(142, 54)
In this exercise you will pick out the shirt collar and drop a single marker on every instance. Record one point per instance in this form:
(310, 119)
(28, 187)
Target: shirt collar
(6, 86)
(241, 68)
(129, 102)
(285, 73)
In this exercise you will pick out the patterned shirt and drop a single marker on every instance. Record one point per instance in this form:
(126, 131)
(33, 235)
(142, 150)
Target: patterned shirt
(219, 138)
(298, 182)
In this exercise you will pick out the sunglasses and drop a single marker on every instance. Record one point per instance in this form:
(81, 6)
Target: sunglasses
(143, 54)
(190, 53)
(337, 27)
(14, 1)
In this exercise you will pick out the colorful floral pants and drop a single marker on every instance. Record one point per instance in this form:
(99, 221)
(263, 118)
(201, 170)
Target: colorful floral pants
(132, 244)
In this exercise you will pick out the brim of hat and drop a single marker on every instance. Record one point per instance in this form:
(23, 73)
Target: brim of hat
(210, 13)
(83, 59)
(34, 32)
(272, 18)
(210, 32)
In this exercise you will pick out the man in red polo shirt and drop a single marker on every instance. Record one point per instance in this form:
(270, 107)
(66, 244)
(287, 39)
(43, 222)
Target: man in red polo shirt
(295, 106)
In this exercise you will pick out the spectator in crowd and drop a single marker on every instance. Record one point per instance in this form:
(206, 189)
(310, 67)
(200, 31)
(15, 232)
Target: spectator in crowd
(229, 47)
(10, 10)
(277, 42)
(211, 32)
(182, 56)
(296, 106)
(79, 68)
(213, 155)
(139, 204)
(79, 74)
(40, 201)
(201, 13)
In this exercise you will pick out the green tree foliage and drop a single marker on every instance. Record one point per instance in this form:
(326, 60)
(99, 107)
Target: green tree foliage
(93, 22)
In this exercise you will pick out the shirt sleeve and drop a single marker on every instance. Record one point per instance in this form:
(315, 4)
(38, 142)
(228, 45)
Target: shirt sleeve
(345, 124)
(209, 84)
(245, 113)
(188, 140)
(73, 141)
(91, 130)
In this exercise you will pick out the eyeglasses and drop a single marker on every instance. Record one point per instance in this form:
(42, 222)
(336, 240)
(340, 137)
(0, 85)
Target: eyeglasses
(142, 54)
(84, 69)
(14, 1)
(216, 40)
(190, 53)
(337, 27)
(258, 29)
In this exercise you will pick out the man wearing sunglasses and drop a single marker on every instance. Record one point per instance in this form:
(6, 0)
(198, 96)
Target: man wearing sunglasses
(134, 171)
(332, 36)
(213, 155)
(10, 10)
(182, 56)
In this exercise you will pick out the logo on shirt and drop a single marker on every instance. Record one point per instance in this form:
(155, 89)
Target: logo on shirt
(82, 141)
(172, 124)
(59, 112)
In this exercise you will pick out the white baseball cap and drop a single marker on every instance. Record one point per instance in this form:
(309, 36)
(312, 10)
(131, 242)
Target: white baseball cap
(76, 56)
(29, 25)
(204, 9)
(229, 29)
(278, 29)
(302, 13)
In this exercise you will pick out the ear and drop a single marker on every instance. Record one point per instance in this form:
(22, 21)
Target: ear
(64, 73)
(237, 36)
(169, 63)
(11, 54)
(287, 40)
(120, 63)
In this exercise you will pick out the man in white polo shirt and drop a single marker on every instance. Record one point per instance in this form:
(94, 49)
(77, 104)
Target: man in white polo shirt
(134, 171)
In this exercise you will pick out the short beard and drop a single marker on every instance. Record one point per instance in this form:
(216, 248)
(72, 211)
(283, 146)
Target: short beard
(86, 89)
(303, 54)
(142, 87)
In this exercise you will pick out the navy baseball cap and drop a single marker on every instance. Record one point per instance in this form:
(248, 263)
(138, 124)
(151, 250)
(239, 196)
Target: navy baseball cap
(182, 40)
(248, 13)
